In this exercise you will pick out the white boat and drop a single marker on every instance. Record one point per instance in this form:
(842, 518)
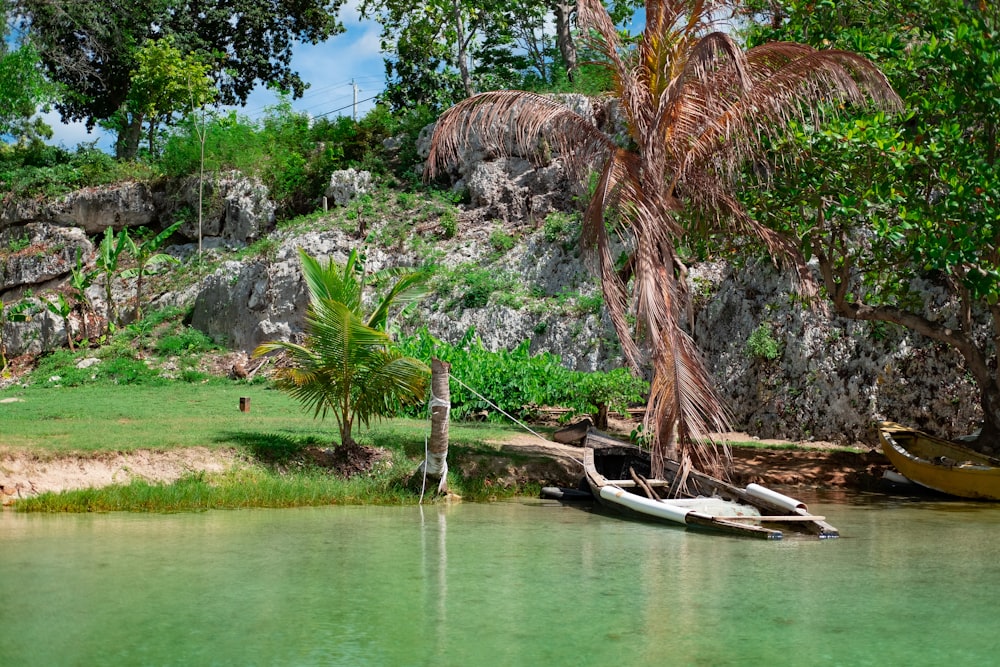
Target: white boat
(702, 501)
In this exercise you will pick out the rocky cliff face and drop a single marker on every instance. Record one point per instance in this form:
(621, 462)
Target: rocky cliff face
(786, 370)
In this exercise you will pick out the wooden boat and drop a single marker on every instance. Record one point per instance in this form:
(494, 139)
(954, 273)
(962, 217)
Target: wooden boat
(615, 472)
(939, 464)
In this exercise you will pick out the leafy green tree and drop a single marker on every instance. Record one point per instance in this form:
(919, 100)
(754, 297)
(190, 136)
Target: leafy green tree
(441, 51)
(145, 254)
(348, 364)
(698, 107)
(885, 204)
(165, 81)
(90, 48)
(22, 89)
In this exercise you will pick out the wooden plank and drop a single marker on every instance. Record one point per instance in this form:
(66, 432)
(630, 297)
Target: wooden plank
(698, 519)
(792, 517)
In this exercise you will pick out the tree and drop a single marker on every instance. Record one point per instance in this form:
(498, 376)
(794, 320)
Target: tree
(90, 48)
(165, 81)
(145, 255)
(22, 89)
(697, 108)
(348, 364)
(887, 204)
(444, 50)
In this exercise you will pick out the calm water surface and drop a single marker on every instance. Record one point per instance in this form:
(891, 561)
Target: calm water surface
(516, 583)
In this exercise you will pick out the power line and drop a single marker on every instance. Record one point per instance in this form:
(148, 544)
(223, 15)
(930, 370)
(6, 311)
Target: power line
(369, 99)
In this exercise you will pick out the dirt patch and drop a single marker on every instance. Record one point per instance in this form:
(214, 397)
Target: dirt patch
(816, 469)
(25, 474)
(347, 461)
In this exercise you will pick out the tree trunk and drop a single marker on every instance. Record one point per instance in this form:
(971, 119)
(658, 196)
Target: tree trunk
(988, 441)
(435, 467)
(564, 36)
(127, 145)
(137, 315)
(463, 56)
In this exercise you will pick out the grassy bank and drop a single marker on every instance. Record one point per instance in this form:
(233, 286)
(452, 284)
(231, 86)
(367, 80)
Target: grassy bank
(272, 439)
(116, 418)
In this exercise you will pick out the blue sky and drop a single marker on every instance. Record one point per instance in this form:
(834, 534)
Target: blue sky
(329, 68)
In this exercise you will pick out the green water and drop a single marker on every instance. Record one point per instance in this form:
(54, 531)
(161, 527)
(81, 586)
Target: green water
(518, 583)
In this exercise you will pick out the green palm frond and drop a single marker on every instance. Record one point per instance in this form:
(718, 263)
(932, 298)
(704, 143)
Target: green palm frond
(330, 281)
(410, 287)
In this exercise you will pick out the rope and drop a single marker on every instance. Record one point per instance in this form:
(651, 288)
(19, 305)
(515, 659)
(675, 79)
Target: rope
(435, 402)
(505, 414)
(423, 484)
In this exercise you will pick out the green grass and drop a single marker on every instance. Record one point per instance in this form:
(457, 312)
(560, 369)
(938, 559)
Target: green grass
(88, 420)
(125, 418)
(178, 414)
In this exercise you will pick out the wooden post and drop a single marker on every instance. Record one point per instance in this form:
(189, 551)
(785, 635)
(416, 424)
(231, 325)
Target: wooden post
(436, 465)
(244, 404)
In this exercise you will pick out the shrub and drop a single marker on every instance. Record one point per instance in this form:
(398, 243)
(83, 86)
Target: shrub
(188, 341)
(517, 381)
(762, 345)
(501, 241)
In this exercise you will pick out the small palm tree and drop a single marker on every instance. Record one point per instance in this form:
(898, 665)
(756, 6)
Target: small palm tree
(698, 108)
(348, 364)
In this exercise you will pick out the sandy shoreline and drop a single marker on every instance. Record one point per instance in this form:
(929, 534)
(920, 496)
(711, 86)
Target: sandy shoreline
(24, 473)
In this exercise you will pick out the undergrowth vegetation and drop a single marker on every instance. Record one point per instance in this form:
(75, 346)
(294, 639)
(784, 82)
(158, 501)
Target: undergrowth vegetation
(486, 384)
(153, 351)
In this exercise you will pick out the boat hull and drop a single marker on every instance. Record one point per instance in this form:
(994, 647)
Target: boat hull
(716, 505)
(940, 465)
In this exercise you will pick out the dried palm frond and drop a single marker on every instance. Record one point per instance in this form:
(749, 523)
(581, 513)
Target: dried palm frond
(698, 108)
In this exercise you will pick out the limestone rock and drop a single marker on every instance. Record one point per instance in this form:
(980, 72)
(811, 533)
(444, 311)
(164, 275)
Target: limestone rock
(235, 208)
(834, 378)
(346, 185)
(245, 304)
(36, 253)
(127, 204)
(43, 332)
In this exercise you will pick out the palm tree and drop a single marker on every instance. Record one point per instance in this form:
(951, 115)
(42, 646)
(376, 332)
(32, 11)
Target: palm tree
(348, 364)
(698, 108)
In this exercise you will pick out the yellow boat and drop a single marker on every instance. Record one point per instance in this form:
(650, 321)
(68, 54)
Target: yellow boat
(939, 464)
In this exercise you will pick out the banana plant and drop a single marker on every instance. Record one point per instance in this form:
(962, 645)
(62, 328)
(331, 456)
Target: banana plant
(146, 256)
(109, 254)
(80, 279)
